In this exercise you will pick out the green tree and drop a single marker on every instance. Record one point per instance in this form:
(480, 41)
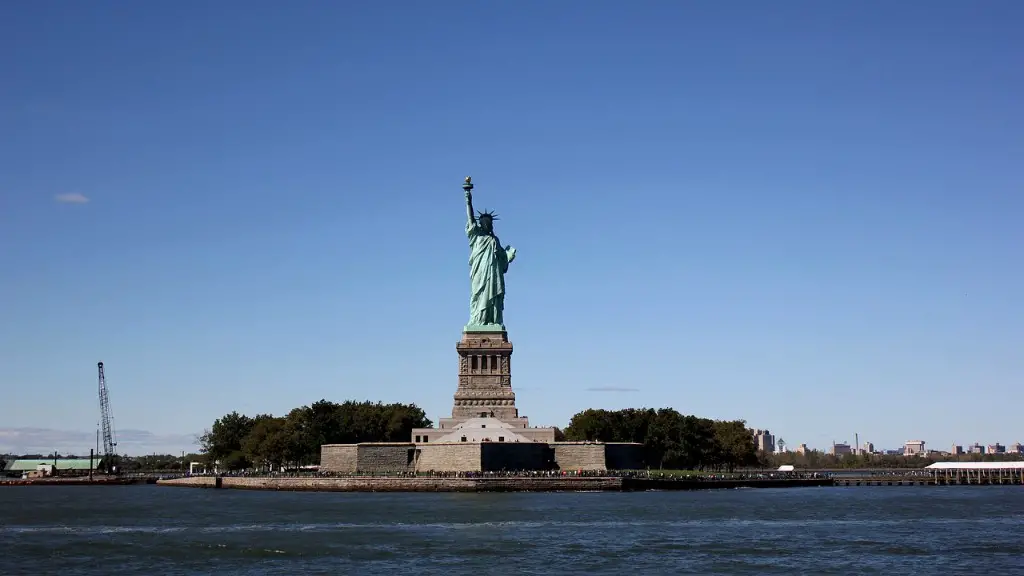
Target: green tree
(663, 439)
(670, 439)
(592, 425)
(701, 450)
(736, 443)
(240, 441)
(224, 439)
(267, 444)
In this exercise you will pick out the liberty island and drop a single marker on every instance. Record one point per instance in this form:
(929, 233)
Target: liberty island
(485, 445)
(485, 431)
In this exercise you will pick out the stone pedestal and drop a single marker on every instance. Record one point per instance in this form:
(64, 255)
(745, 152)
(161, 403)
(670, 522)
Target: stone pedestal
(485, 377)
(485, 405)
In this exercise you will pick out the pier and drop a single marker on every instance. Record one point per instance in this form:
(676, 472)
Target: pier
(943, 474)
(925, 481)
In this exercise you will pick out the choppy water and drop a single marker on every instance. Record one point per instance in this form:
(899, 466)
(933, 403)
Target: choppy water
(148, 530)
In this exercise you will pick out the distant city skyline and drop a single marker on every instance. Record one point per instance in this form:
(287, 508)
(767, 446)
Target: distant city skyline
(142, 442)
(805, 216)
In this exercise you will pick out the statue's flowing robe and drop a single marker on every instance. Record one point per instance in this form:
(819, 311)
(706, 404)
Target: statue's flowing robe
(488, 263)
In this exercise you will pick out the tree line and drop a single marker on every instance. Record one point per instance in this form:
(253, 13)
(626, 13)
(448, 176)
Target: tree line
(238, 441)
(670, 439)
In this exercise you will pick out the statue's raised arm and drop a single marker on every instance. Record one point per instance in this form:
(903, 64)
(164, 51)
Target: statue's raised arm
(470, 217)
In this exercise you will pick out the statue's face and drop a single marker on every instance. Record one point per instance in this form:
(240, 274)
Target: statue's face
(486, 224)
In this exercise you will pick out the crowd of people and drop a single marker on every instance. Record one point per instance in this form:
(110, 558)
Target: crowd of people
(900, 473)
(633, 474)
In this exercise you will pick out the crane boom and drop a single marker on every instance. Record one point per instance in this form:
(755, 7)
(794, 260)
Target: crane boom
(107, 423)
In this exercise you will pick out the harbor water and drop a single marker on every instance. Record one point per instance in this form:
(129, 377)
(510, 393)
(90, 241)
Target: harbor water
(145, 530)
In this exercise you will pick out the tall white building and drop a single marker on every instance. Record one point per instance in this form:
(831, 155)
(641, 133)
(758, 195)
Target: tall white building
(764, 441)
(914, 448)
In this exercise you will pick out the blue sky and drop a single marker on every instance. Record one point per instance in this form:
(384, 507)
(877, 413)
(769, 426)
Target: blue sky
(805, 215)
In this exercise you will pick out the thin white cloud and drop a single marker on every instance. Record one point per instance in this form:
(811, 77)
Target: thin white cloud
(71, 198)
(131, 442)
(611, 389)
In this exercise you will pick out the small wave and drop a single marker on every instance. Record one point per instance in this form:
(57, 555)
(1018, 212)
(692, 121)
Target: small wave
(1014, 520)
(90, 530)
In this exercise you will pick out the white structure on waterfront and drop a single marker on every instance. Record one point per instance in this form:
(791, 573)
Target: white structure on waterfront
(979, 472)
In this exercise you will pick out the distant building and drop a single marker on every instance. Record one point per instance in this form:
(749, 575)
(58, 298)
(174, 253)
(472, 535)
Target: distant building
(996, 448)
(841, 449)
(1016, 448)
(914, 448)
(869, 448)
(764, 441)
(976, 449)
(49, 466)
(957, 450)
(802, 449)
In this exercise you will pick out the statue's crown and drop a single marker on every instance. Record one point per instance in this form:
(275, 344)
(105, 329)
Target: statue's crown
(488, 214)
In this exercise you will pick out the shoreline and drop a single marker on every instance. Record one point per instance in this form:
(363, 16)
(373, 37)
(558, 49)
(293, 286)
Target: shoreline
(75, 481)
(497, 484)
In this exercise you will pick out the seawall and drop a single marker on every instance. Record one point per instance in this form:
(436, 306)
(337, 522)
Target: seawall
(508, 484)
(75, 481)
(399, 484)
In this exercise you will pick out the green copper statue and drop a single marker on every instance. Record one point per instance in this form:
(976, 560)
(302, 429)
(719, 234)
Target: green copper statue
(488, 263)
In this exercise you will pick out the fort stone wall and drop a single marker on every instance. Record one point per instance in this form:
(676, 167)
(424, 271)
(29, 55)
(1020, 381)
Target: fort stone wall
(579, 456)
(449, 457)
(624, 456)
(339, 458)
(385, 457)
(497, 456)
(476, 457)
(598, 456)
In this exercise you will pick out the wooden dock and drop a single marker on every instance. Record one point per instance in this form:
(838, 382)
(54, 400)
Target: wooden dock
(922, 482)
(959, 477)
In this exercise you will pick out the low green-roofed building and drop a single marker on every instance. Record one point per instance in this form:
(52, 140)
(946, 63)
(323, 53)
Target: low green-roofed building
(61, 464)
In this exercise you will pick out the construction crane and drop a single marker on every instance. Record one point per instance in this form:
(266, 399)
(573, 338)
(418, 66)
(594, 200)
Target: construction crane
(107, 424)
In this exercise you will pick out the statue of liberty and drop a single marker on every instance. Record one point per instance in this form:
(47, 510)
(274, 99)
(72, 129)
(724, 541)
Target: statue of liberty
(488, 263)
